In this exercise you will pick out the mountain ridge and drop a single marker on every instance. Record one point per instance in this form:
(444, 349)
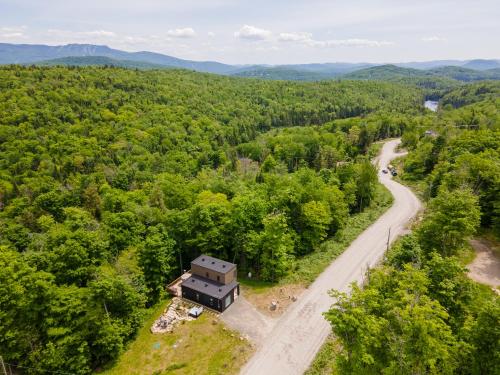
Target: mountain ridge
(33, 53)
(41, 54)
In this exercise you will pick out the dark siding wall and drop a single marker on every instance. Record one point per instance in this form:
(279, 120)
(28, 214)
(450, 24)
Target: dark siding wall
(231, 296)
(206, 300)
(202, 299)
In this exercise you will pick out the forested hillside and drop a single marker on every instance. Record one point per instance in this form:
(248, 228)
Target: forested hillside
(471, 94)
(112, 180)
(99, 61)
(419, 312)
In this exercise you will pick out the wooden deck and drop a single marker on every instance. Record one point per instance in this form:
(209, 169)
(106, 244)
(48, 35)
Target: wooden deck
(174, 288)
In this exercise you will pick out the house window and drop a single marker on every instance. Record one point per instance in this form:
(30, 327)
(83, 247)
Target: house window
(218, 278)
(208, 276)
(197, 297)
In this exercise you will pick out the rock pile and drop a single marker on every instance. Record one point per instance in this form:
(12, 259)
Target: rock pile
(176, 312)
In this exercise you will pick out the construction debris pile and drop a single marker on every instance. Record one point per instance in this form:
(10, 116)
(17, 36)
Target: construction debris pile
(176, 312)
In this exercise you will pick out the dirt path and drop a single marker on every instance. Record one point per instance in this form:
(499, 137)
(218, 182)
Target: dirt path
(297, 336)
(485, 268)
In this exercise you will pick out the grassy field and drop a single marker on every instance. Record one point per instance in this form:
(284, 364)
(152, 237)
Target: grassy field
(196, 347)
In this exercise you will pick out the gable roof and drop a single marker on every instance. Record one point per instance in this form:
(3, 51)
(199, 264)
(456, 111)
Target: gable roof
(213, 264)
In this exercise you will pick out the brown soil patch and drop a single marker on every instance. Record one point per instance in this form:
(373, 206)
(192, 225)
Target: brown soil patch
(485, 268)
(283, 295)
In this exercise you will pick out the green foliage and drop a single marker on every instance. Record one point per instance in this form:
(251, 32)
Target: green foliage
(393, 327)
(419, 318)
(462, 151)
(122, 229)
(315, 220)
(274, 247)
(485, 339)
(393, 73)
(420, 313)
(112, 180)
(156, 258)
(452, 218)
(406, 250)
(99, 61)
(471, 94)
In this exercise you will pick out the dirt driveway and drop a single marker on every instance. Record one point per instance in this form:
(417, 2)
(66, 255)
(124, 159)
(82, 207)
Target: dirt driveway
(246, 319)
(485, 268)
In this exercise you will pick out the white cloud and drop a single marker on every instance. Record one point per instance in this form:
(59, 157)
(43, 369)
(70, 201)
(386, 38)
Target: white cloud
(186, 32)
(13, 29)
(252, 33)
(433, 38)
(83, 34)
(12, 35)
(211, 34)
(99, 33)
(308, 40)
(348, 43)
(12, 32)
(294, 37)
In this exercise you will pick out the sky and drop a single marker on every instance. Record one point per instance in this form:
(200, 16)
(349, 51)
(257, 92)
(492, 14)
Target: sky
(265, 32)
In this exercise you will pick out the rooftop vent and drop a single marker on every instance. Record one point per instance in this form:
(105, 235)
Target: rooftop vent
(192, 280)
(220, 290)
(213, 262)
(202, 259)
(223, 266)
(206, 285)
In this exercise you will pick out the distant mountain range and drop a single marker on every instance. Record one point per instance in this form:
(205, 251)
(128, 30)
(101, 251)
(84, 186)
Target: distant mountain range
(459, 73)
(34, 53)
(99, 61)
(88, 54)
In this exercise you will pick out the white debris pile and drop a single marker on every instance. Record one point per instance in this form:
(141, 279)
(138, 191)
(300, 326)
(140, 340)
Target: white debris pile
(176, 312)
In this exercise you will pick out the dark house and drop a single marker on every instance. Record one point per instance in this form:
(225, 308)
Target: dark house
(212, 283)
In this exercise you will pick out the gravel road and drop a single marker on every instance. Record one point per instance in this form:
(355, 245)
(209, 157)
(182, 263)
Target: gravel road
(298, 335)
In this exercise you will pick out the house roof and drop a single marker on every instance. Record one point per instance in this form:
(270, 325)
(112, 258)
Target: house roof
(209, 287)
(213, 264)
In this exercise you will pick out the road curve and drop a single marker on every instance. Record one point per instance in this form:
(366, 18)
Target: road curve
(298, 335)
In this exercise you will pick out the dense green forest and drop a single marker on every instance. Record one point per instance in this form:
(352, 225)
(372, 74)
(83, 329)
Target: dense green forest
(112, 180)
(393, 72)
(419, 312)
(99, 61)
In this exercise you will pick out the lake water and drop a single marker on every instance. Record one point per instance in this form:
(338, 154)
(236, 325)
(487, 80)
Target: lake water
(431, 104)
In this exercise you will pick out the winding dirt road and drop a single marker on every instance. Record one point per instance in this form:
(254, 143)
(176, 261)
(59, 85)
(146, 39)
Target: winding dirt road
(297, 336)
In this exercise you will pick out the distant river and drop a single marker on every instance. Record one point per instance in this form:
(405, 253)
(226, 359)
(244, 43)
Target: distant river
(431, 104)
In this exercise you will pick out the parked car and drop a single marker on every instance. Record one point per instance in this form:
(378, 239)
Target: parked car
(394, 173)
(384, 170)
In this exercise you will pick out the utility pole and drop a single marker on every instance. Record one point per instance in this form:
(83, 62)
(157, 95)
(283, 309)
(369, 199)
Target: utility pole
(388, 238)
(3, 366)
